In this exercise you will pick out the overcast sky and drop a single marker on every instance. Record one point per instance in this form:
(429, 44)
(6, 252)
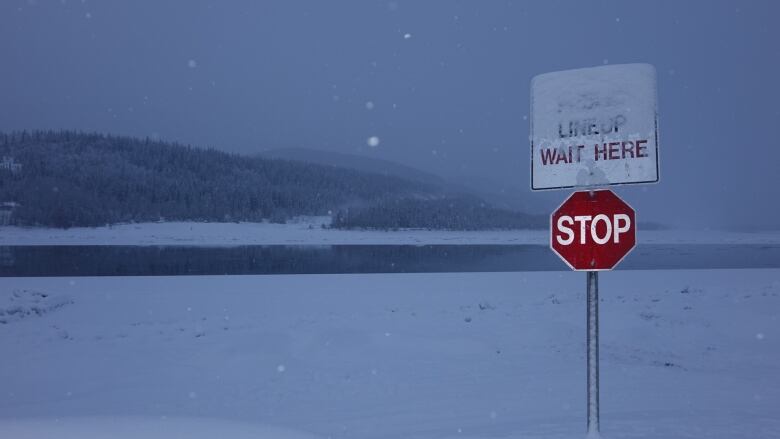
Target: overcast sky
(442, 85)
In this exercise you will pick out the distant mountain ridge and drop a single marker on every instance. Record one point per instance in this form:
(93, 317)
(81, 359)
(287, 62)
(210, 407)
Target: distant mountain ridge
(356, 162)
(510, 196)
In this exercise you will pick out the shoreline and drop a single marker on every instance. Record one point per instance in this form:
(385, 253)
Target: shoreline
(311, 232)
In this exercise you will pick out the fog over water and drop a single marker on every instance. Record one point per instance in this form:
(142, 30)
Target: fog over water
(439, 85)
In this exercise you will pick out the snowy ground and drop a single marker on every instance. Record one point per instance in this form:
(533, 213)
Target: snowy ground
(310, 231)
(685, 354)
(137, 427)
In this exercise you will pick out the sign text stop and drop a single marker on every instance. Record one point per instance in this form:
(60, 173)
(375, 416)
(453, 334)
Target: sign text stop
(593, 230)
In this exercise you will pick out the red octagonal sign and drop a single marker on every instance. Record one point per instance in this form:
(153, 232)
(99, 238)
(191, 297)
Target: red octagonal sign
(593, 230)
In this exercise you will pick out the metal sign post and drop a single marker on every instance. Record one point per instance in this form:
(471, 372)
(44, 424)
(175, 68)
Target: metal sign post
(592, 128)
(593, 231)
(593, 353)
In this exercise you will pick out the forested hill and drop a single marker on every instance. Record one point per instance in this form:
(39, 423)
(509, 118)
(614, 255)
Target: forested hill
(76, 179)
(70, 179)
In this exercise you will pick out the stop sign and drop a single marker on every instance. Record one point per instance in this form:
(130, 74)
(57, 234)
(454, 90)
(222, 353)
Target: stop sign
(593, 230)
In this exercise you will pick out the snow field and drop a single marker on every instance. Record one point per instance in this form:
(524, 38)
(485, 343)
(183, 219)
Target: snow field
(685, 354)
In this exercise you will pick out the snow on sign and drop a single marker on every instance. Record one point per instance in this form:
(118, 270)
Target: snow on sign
(594, 127)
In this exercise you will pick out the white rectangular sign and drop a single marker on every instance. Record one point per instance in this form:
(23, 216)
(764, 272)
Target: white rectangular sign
(594, 127)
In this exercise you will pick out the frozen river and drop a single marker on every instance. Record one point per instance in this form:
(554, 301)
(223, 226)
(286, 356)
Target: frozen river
(110, 260)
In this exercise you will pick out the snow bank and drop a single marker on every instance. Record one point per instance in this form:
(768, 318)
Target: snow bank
(20, 304)
(139, 427)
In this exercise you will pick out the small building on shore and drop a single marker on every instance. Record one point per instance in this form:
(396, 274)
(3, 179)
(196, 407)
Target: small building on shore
(10, 165)
(6, 210)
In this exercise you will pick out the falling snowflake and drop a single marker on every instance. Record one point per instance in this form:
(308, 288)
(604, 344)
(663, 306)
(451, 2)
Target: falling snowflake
(407, 36)
(369, 105)
(373, 141)
(192, 64)
(280, 368)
